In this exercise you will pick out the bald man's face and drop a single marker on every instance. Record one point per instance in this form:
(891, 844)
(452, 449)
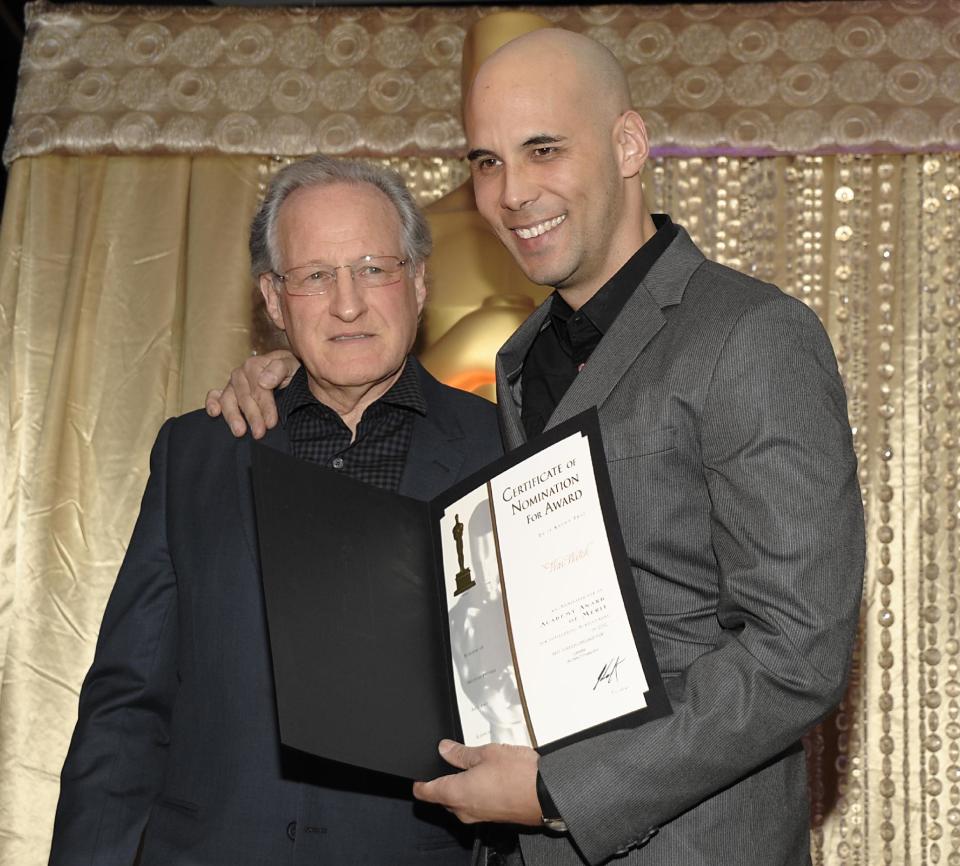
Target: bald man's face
(546, 173)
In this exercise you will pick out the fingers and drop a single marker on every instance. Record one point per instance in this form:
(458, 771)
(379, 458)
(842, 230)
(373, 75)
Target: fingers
(248, 397)
(261, 375)
(280, 370)
(212, 403)
(434, 791)
(272, 375)
(447, 792)
(277, 373)
(497, 783)
(230, 410)
(427, 791)
(245, 397)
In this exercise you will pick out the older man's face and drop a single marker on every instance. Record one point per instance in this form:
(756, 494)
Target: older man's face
(350, 336)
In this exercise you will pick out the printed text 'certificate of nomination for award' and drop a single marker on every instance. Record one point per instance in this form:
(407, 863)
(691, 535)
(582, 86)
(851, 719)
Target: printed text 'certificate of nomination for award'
(543, 641)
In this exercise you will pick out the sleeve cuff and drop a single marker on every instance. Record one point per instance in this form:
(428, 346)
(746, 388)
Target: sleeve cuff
(547, 807)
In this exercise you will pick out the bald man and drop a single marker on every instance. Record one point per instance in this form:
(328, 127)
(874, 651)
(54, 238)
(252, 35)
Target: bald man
(725, 428)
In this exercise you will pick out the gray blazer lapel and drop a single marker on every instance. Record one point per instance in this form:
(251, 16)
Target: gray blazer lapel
(636, 325)
(275, 438)
(509, 364)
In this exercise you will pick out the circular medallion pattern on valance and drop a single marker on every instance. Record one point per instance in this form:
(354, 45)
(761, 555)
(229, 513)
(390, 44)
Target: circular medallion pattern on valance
(757, 78)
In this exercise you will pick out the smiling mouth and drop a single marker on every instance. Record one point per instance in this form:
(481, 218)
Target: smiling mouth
(540, 228)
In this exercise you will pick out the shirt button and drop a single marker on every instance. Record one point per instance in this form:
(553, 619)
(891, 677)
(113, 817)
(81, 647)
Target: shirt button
(292, 830)
(337, 463)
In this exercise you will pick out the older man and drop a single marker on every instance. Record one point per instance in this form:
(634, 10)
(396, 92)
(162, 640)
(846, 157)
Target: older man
(724, 422)
(176, 749)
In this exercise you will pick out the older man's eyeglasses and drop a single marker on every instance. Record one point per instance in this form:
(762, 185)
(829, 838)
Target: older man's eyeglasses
(369, 272)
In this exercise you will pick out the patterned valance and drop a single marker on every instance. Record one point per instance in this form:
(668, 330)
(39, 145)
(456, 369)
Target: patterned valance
(757, 78)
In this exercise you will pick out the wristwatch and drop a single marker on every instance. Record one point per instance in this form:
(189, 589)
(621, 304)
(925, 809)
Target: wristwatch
(549, 814)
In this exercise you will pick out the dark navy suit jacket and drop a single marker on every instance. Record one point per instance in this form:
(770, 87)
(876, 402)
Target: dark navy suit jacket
(177, 737)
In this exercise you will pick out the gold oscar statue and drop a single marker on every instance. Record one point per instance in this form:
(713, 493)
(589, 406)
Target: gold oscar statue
(478, 296)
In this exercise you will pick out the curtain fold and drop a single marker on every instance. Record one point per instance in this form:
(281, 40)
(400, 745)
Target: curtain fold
(123, 297)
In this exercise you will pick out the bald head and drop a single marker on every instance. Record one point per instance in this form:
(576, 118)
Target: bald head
(582, 68)
(556, 155)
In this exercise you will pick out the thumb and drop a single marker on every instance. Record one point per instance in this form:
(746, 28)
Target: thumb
(458, 755)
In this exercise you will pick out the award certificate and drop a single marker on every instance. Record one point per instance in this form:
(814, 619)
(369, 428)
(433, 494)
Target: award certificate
(542, 647)
(502, 611)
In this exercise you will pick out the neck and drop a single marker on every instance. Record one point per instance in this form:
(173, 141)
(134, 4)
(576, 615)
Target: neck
(351, 401)
(640, 230)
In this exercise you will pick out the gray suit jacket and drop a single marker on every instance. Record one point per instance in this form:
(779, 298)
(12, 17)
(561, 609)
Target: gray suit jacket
(725, 427)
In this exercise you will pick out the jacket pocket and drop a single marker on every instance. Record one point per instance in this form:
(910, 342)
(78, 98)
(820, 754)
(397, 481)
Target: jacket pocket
(624, 441)
(185, 807)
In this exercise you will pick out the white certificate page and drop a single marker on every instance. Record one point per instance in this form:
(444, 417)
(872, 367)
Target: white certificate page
(576, 658)
(485, 681)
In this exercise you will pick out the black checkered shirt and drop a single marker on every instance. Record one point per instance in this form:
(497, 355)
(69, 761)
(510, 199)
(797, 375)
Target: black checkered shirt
(378, 454)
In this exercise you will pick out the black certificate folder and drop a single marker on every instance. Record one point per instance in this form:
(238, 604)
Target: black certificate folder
(502, 611)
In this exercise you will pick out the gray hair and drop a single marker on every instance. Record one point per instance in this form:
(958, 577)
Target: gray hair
(319, 170)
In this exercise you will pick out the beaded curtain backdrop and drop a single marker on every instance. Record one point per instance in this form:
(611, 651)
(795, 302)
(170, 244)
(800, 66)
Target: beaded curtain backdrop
(816, 145)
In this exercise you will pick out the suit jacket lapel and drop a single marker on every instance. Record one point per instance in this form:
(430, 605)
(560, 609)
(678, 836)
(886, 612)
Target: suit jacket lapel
(433, 463)
(436, 446)
(636, 325)
(509, 364)
(275, 438)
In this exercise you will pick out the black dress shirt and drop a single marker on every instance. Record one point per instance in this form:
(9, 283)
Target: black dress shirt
(569, 337)
(378, 455)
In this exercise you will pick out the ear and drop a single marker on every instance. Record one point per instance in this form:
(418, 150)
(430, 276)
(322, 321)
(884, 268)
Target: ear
(420, 286)
(271, 299)
(630, 139)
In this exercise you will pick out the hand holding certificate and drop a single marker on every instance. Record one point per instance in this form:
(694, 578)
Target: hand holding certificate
(502, 612)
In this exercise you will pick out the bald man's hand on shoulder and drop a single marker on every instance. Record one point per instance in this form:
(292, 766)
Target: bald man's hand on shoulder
(248, 397)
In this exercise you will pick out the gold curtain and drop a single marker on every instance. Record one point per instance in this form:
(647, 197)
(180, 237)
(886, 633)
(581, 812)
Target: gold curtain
(126, 306)
(124, 296)
(119, 303)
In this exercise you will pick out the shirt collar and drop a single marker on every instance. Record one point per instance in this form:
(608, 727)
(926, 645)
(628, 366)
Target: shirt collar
(405, 393)
(604, 307)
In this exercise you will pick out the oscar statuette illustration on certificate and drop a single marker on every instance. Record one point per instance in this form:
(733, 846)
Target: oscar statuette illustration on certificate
(503, 611)
(465, 579)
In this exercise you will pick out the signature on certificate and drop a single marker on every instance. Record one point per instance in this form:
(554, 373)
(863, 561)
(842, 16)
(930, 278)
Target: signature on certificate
(567, 559)
(610, 673)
